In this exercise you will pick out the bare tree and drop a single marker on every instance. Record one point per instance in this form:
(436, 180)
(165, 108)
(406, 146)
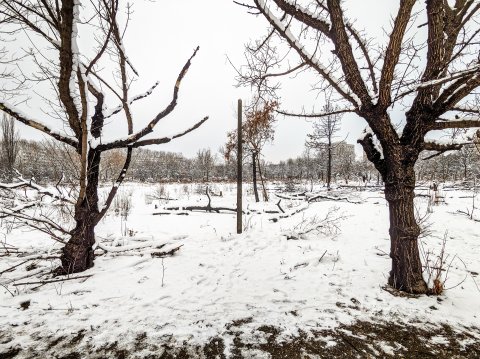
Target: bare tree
(323, 137)
(429, 76)
(344, 160)
(82, 90)
(205, 162)
(466, 156)
(111, 163)
(9, 151)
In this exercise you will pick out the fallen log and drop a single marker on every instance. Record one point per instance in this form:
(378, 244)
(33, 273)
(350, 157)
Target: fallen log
(331, 198)
(163, 198)
(167, 213)
(207, 208)
(294, 197)
(131, 247)
(167, 251)
(289, 214)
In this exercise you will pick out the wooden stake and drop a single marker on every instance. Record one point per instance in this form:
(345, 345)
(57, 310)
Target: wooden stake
(239, 168)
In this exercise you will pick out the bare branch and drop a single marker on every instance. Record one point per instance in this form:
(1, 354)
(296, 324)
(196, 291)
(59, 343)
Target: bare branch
(158, 141)
(283, 31)
(114, 111)
(131, 139)
(344, 51)
(315, 115)
(18, 115)
(455, 123)
(116, 185)
(393, 51)
(443, 147)
(31, 184)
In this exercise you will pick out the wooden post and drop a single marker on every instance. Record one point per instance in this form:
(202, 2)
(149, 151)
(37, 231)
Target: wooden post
(239, 168)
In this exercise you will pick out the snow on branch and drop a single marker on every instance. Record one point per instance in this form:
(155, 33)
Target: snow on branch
(440, 81)
(305, 16)
(69, 65)
(6, 212)
(467, 109)
(323, 24)
(449, 78)
(23, 183)
(442, 147)
(158, 141)
(154, 248)
(34, 218)
(456, 123)
(373, 149)
(131, 247)
(285, 32)
(315, 115)
(23, 118)
(41, 222)
(115, 110)
(133, 138)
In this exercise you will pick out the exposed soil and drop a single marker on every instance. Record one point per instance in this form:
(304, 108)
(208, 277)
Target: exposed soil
(360, 340)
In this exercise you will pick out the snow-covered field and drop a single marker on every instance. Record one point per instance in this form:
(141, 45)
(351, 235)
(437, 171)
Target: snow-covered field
(285, 274)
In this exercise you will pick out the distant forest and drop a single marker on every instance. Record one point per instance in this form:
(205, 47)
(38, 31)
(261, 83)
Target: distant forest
(47, 161)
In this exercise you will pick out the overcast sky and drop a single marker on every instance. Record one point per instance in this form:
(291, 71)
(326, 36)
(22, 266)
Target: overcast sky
(163, 34)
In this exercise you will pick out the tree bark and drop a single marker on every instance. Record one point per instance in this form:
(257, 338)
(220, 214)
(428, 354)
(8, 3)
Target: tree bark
(329, 164)
(77, 255)
(264, 190)
(406, 274)
(254, 174)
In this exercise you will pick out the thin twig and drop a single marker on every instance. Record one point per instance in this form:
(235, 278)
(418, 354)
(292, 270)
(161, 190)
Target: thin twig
(53, 280)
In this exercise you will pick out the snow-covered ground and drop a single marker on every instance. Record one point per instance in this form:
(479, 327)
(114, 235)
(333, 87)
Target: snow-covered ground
(222, 285)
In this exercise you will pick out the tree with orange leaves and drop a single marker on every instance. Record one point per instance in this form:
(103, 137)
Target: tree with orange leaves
(257, 131)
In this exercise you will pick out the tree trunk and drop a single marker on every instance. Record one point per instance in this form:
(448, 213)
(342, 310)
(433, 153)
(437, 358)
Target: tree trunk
(264, 190)
(77, 255)
(254, 174)
(406, 274)
(329, 165)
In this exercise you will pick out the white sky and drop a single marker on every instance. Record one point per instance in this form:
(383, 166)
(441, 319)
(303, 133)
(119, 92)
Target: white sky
(163, 34)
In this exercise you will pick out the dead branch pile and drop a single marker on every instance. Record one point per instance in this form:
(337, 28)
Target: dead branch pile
(207, 208)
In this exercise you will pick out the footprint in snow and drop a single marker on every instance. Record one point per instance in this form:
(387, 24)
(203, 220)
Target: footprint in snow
(201, 281)
(143, 279)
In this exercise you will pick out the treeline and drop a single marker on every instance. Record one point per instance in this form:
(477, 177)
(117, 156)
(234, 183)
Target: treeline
(47, 161)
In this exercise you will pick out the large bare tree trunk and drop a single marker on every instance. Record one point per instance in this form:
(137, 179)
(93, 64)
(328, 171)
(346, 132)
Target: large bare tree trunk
(77, 254)
(406, 273)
